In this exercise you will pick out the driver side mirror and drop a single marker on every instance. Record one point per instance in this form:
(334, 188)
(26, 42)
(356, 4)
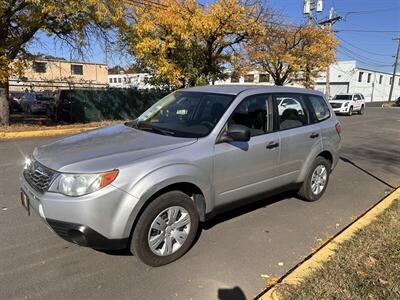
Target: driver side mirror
(237, 133)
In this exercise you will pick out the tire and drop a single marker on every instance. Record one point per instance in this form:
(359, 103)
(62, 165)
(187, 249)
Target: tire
(164, 204)
(361, 112)
(306, 190)
(350, 111)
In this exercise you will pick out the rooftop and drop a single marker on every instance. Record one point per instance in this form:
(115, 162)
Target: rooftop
(237, 89)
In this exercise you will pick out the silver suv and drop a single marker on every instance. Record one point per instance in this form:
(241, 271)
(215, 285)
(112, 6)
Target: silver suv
(147, 184)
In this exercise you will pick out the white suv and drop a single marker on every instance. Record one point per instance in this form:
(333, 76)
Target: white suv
(348, 104)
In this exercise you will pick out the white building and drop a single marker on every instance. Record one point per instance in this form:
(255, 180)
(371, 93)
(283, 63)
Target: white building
(136, 80)
(345, 77)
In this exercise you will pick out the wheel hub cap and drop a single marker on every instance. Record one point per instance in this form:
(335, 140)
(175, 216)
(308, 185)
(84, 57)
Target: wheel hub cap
(318, 179)
(169, 231)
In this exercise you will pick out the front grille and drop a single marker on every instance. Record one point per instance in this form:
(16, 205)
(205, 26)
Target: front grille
(38, 176)
(336, 105)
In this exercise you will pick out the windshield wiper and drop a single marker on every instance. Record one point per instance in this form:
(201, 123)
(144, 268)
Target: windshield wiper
(157, 130)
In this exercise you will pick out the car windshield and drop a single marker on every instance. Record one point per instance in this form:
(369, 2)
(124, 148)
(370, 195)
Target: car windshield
(185, 114)
(342, 97)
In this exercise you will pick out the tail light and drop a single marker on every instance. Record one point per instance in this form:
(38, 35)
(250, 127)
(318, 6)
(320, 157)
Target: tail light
(338, 127)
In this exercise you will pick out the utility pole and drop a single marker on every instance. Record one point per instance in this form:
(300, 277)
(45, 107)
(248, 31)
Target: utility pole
(329, 23)
(310, 6)
(396, 60)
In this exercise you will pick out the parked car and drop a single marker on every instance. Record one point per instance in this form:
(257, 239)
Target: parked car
(34, 103)
(397, 102)
(14, 101)
(147, 184)
(348, 104)
(289, 103)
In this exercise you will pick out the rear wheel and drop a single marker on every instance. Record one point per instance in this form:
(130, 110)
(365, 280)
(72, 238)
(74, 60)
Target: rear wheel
(316, 181)
(361, 112)
(166, 229)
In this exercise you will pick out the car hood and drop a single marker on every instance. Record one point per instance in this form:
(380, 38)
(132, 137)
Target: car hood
(339, 101)
(104, 149)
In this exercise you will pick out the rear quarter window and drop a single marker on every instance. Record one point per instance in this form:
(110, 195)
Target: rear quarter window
(321, 109)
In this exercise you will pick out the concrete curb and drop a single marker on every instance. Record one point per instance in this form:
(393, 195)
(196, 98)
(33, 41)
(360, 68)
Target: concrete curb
(38, 133)
(313, 262)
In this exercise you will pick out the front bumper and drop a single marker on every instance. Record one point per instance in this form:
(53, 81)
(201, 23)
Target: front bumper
(85, 236)
(98, 220)
(341, 110)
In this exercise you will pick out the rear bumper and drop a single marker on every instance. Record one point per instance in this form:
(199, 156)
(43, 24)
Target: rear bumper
(85, 236)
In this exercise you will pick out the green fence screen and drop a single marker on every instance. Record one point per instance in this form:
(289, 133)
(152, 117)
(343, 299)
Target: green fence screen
(110, 104)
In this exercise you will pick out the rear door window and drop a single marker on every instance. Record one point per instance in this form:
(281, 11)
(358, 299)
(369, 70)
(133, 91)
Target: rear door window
(291, 111)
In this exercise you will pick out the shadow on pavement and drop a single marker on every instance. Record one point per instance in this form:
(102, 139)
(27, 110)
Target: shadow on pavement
(346, 160)
(232, 211)
(231, 294)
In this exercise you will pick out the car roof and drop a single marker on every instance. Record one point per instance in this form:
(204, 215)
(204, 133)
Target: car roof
(237, 89)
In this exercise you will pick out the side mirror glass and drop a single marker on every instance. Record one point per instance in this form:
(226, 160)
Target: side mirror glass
(238, 133)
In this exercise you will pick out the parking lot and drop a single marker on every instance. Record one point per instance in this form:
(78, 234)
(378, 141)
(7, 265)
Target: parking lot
(235, 252)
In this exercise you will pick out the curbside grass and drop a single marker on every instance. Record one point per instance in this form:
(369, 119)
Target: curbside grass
(303, 277)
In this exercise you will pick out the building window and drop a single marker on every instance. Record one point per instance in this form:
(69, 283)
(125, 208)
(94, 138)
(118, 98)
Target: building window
(249, 78)
(398, 83)
(39, 67)
(76, 69)
(369, 78)
(110, 80)
(263, 78)
(390, 80)
(380, 79)
(234, 78)
(115, 80)
(119, 80)
(360, 76)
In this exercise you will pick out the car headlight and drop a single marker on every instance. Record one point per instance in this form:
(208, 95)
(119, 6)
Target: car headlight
(81, 184)
(346, 104)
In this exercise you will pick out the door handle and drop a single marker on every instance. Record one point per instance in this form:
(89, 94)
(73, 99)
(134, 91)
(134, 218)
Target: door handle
(272, 145)
(314, 135)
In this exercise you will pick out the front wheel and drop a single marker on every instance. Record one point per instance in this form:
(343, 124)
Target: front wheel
(361, 112)
(350, 111)
(166, 229)
(316, 181)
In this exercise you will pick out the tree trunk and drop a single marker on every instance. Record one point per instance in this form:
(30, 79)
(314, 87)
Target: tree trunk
(4, 107)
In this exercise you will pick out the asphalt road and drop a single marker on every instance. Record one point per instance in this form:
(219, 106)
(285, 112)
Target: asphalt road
(233, 253)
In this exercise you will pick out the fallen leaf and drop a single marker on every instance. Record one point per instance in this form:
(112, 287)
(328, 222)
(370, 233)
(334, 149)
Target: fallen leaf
(383, 281)
(280, 264)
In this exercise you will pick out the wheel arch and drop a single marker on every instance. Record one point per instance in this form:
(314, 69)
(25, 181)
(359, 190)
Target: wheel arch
(197, 191)
(306, 166)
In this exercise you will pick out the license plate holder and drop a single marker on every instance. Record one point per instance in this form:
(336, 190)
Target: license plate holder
(25, 202)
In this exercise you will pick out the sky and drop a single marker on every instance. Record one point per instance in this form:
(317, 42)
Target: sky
(365, 33)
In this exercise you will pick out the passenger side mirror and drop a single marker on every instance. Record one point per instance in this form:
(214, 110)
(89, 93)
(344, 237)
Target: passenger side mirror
(238, 133)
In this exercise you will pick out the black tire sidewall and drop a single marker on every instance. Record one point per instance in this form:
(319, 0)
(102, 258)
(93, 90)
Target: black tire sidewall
(139, 242)
(308, 194)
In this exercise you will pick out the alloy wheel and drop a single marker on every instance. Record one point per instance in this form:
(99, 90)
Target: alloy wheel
(169, 231)
(318, 179)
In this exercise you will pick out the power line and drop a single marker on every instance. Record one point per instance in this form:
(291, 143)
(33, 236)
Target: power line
(361, 49)
(361, 30)
(374, 61)
(366, 12)
(351, 55)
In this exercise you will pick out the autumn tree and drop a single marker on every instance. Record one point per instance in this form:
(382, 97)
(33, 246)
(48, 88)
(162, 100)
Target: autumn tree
(291, 53)
(70, 20)
(184, 43)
